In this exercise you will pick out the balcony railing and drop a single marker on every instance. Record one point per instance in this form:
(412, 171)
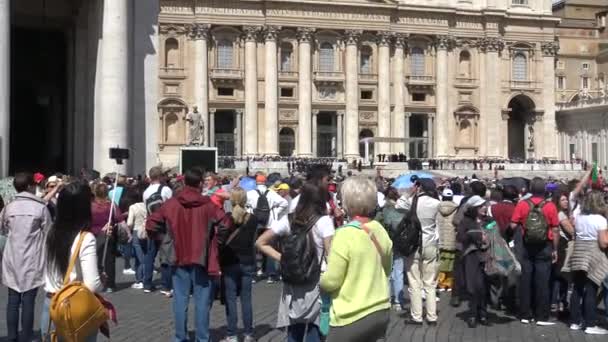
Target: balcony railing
(226, 74)
(288, 74)
(465, 80)
(329, 76)
(420, 80)
(367, 77)
(172, 72)
(584, 103)
(516, 84)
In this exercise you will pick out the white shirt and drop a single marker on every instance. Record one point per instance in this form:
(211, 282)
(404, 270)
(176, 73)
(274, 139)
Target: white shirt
(457, 199)
(166, 192)
(381, 199)
(323, 229)
(85, 268)
(137, 219)
(427, 212)
(278, 205)
(588, 226)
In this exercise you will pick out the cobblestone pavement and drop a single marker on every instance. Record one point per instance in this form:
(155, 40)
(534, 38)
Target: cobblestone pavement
(148, 317)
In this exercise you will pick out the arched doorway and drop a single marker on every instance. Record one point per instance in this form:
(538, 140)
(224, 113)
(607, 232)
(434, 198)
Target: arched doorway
(366, 133)
(287, 142)
(521, 127)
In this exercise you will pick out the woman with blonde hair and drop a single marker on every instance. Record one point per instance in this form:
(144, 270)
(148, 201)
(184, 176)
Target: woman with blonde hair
(237, 258)
(588, 264)
(361, 247)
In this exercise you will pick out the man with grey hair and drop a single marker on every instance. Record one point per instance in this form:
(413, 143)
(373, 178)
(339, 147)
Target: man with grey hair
(422, 266)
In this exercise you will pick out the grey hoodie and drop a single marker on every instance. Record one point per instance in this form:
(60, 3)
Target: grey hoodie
(447, 231)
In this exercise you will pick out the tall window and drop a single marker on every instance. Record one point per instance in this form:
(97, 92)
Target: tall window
(417, 62)
(225, 56)
(366, 60)
(585, 82)
(561, 82)
(326, 57)
(519, 2)
(520, 67)
(171, 53)
(286, 56)
(464, 65)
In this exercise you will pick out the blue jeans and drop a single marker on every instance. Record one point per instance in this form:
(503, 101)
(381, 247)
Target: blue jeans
(44, 321)
(165, 270)
(236, 276)
(270, 267)
(139, 258)
(303, 332)
(396, 280)
(126, 250)
(605, 284)
(24, 302)
(185, 278)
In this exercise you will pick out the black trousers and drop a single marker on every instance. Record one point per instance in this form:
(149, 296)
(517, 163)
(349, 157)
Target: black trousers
(459, 290)
(477, 285)
(535, 286)
(110, 263)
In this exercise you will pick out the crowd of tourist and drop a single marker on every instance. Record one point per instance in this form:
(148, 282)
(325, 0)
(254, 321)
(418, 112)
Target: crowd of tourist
(346, 249)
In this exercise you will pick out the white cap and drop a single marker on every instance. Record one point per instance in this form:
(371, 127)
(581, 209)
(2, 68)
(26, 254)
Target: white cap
(475, 201)
(52, 179)
(447, 193)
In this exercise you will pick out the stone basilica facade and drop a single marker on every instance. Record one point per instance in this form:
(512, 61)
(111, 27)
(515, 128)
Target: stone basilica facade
(428, 78)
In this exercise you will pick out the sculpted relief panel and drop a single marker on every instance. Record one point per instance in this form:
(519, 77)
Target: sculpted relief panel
(330, 12)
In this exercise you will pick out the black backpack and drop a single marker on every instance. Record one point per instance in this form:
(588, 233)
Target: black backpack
(153, 203)
(262, 209)
(299, 261)
(407, 239)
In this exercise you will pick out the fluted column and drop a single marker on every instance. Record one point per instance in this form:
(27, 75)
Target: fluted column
(406, 132)
(550, 50)
(443, 142)
(340, 134)
(315, 133)
(212, 127)
(251, 90)
(305, 91)
(352, 94)
(238, 115)
(271, 80)
(430, 135)
(493, 124)
(384, 88)
(111, 120)
(399, 95)
(199, 33)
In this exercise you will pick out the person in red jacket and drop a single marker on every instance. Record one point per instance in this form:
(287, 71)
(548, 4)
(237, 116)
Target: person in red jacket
(192, 226)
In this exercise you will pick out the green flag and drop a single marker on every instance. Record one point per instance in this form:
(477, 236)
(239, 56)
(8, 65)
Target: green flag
(594, 173)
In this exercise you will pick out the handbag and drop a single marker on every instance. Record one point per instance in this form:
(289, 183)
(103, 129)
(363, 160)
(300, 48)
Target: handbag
(75, 310)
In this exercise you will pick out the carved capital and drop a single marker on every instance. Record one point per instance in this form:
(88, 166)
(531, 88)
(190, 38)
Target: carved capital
(315, 112)
(400, 40)
(198, 31)
(444, 42)
(384, 38)
(408, 115)
(271, 32)
(212, 111)
(251, 33)
(550, 49)
(351, 37)
(341, 112)
(238, 111)
(305, 34)
(491, 44)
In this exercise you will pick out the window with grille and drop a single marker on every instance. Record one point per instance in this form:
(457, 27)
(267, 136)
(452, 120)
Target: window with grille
(366, 60)
(585, 82)
(585, 66)
(326, 57)
(561, 82)
(417, 62)
(225, 54)
(286, 56)
(520, 67)
(519, 2)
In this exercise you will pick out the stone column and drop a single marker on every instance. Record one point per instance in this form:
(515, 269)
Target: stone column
(305, 91)
(251, 90)
(442, 98)
(492, 46)
(406, 132)
(549, 150)
(384, 88)
(200, 34)
(238, 115)
(111, 120)
(352, 94)
(212, 127)
(5, 85)
(271, 81)
(399, 95)
(340, 143)
(315, 133)
(430, 135)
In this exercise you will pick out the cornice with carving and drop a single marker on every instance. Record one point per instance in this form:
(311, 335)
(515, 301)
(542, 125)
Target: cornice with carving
(400, 40)
(352, 37)
(271, 32)
(305, 34)
(491, 44)
(198, 31)
(251, 33)
(445, 42)
(384, 38)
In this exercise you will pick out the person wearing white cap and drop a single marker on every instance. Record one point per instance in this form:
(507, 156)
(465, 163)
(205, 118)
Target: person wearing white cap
(447, 239)
(471, 237)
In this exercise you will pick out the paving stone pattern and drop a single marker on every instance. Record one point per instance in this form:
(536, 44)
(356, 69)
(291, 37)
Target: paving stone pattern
(148, 317)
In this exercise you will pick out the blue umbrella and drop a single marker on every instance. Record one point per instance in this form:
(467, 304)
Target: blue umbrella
(247, 183)
(404, 181)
